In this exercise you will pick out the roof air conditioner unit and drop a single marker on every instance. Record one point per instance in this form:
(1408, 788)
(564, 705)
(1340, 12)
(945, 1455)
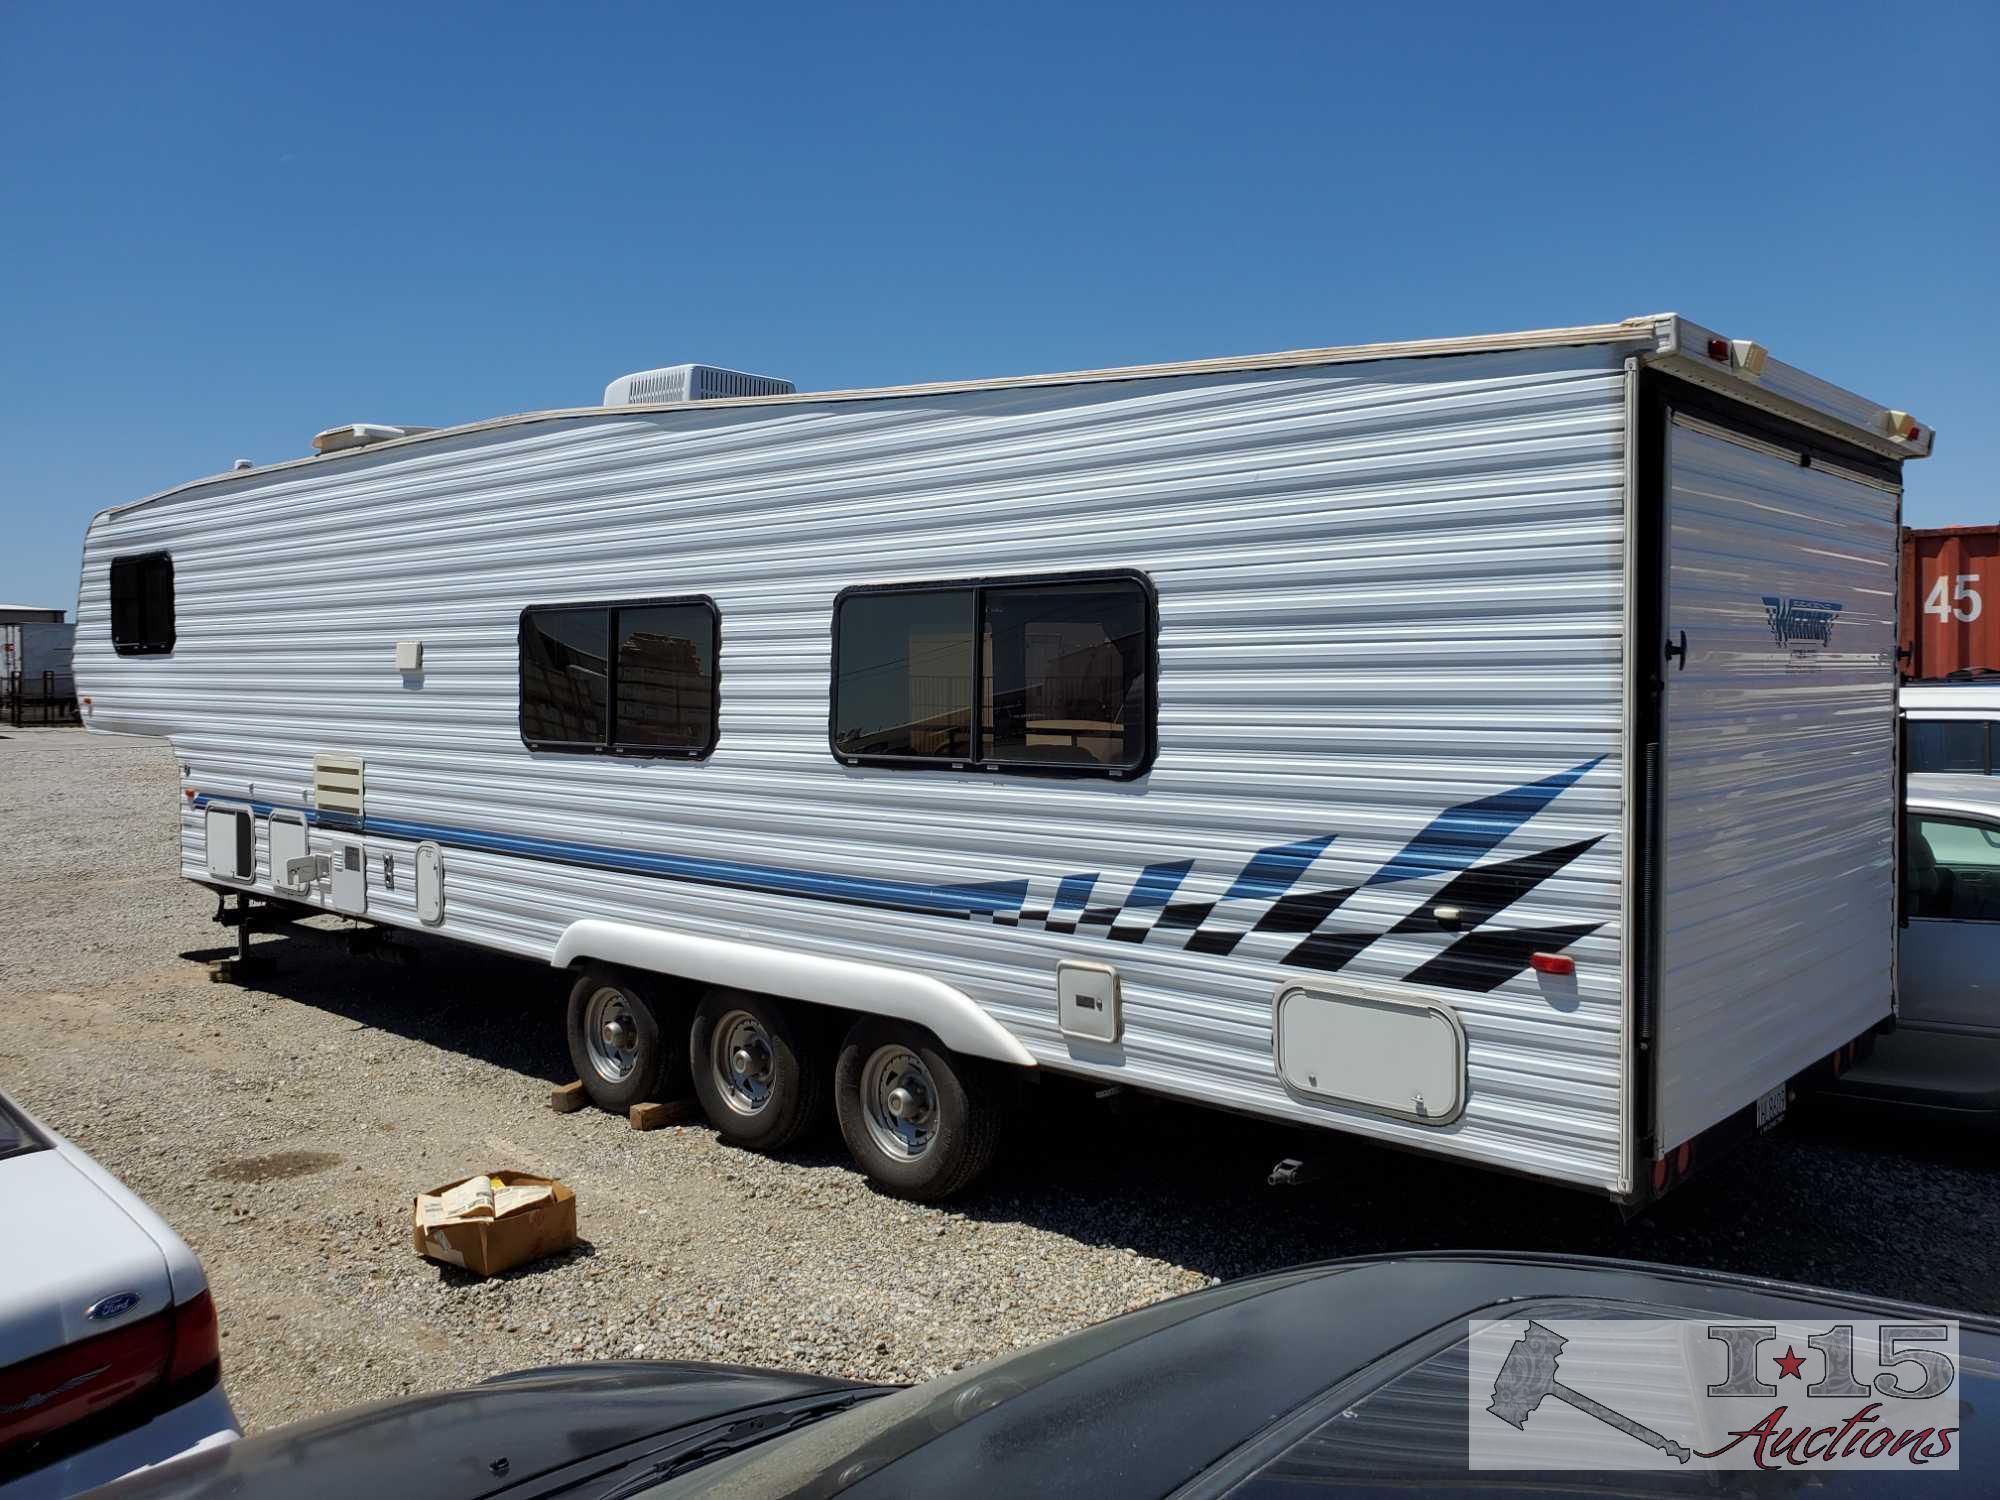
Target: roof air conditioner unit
(689, 383)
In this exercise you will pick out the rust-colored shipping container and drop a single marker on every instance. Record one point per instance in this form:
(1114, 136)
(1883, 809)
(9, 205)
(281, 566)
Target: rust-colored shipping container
(1951, 599)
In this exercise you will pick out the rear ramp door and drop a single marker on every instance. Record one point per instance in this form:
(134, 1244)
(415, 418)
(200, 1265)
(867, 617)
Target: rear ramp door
(1777, 935)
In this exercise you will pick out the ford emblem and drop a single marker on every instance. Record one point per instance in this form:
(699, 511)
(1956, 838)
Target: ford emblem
(117, 1304)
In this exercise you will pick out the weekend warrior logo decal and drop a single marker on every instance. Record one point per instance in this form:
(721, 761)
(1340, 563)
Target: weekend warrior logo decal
(1795, 620)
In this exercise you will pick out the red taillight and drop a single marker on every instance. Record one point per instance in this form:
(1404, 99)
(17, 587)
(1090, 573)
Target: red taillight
(197, 1341)
(1718, 349)
(1551, 963)
(50, 1391)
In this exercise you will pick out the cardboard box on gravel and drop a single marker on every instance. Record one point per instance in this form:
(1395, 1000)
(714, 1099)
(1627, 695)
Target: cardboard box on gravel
(495, 1221)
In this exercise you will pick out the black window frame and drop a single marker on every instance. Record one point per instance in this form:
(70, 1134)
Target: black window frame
(973, 765)
(610, 745)
(155, 644)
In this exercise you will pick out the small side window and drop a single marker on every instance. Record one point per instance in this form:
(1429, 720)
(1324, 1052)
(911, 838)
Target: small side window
(142, 604)
(626, 679)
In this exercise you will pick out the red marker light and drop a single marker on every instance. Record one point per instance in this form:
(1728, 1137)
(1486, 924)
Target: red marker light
(1551, 963)
(1719, 349)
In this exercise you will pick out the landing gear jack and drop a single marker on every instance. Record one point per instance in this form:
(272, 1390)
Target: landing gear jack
(242, 965)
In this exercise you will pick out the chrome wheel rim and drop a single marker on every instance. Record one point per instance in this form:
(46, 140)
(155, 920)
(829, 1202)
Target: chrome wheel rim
(899, 1099)
(740, 1056)
(611, 1034)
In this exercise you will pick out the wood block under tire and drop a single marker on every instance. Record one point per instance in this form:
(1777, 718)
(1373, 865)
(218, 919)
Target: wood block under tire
(568, 1099)
(652, 1115)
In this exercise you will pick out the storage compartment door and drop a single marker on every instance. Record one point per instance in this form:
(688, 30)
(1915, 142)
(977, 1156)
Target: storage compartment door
(231, 838)
(430, 884)
(1778, 902)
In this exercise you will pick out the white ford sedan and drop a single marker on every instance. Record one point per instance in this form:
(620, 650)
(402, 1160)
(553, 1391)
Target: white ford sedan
(109, 1356)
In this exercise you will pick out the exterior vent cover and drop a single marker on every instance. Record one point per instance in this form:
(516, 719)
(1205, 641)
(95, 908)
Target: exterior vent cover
(360, 435)
(690, 383)
(337, 784)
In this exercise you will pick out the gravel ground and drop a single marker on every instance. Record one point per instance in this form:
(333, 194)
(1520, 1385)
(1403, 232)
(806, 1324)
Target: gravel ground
(283, 1130)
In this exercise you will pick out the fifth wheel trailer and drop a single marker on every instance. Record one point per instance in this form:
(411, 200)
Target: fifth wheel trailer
(1483, 746)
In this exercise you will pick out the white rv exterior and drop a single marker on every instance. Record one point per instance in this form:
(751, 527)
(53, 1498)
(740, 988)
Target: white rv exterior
(1414, 748)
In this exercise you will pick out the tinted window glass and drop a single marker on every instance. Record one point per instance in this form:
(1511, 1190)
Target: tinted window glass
(13, 1134)
(1951, 870)
(905, 674)
(666, 676)
(1947, 745)
(563, 675)
(142, 604)
(1066, 674)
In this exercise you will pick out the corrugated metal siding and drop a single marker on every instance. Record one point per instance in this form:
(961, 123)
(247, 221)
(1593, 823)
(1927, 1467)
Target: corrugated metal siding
(1951, 599)
(1384, 590)
(1779, 901)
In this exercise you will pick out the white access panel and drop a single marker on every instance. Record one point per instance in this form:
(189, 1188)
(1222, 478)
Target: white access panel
(286, 836)
(232, 847)
(430, 884)
(1397, 1057)
(1087, 1000)
(1778, 901)
(350, 878)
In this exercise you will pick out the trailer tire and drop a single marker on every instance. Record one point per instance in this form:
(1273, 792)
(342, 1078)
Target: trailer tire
(627, 1040)
(759, 1069)
(944, 1129)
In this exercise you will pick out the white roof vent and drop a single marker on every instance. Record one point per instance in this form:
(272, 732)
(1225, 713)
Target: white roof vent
(360, 435)
(690, 383)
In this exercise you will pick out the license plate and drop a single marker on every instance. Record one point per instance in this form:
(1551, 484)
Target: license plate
(1770, 1107)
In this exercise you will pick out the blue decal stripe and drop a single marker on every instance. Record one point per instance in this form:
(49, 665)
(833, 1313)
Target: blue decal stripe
(943, 900)
(1272, 872)
(1074, 893)
(1157, 884)
(1451, 843)
(1459, 835)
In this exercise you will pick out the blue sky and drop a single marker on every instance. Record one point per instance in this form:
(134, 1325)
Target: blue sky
(222, 229)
